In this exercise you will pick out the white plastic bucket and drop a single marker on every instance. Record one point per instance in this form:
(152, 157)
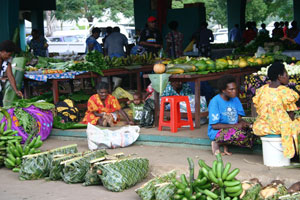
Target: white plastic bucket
(273, 152)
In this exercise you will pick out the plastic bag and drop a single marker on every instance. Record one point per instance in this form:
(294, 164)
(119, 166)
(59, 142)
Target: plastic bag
(103, 138)
(147, 119)
(120, 93)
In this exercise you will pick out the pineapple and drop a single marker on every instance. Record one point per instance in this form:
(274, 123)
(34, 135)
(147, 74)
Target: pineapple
(118, 175)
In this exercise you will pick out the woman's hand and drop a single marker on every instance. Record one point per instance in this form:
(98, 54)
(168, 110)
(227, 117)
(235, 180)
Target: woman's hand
(239, 125)
(291, 115)
(19, 93)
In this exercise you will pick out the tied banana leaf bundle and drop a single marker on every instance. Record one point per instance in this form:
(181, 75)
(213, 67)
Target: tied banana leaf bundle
(147, 191)
(272, 192)
(37, 166)
(75, 169)
(294, 196)
(55, 166)
(250, 190)
(91, 177)
(118, 175)
(165, 191)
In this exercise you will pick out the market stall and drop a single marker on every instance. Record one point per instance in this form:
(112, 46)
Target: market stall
(197, 78)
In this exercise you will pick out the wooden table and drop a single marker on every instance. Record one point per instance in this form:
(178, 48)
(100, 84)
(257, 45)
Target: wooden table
(197, 78)
(106, 73)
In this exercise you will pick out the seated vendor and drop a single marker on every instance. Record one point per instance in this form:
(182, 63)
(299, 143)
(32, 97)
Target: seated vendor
(226, 126)
(103, 108)
(275, 106)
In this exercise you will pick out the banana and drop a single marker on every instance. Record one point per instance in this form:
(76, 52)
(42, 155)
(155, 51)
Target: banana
(2, 127)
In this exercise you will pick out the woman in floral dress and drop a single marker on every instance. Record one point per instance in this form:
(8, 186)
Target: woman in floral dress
(226, 126)
(275, 105)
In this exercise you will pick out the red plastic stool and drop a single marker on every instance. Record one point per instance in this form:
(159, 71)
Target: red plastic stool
(175, 121)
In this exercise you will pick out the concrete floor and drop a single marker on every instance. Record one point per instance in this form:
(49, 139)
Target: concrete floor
(162, 159)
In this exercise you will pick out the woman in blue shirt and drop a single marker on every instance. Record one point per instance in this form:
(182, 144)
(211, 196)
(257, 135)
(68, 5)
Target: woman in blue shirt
(226, 126)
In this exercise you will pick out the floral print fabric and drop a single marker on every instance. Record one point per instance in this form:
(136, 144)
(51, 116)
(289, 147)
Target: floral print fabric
(235, 136)
(95, 105)
(272, 105)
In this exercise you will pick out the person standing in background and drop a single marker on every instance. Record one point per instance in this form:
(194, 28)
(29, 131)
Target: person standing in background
(293, 32)
(249, 34)
(277, 32)
(263, 30)
(174, 40)
(108, 30)
(115, 43)
(7, 48)
(38, 44)
(92, 43)
(151, 38)
(285, 28)
(235, 34)
(203, 39)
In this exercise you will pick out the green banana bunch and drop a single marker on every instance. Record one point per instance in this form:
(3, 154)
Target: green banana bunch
(212, 183)
(15, 151)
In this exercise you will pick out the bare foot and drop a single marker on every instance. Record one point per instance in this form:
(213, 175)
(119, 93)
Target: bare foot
(215, 148)
(226, 152)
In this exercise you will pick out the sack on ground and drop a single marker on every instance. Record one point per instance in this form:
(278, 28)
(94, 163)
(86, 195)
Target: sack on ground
(164, 191)
(91, 177)
(99, 138)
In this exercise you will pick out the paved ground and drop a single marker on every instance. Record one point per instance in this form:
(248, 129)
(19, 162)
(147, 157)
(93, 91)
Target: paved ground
(162, 159)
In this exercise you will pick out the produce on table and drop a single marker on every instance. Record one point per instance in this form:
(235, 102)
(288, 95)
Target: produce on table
(37, 166)
(159, 68)
(290, 68)
(147, 190)
(74, 169)
(118, 175)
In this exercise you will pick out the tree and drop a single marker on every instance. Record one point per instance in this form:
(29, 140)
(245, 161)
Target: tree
(257, 10)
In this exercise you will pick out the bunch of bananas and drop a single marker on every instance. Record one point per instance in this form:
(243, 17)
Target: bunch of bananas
(6, 137)
(113, 62)
(212, 182)
(15, 151)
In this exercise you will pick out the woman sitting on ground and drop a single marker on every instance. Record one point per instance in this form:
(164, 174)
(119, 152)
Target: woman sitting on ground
(226, 126)
(103, 109)
(275, 106)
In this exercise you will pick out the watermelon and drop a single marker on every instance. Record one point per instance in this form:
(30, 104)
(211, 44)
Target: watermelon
(201, 65)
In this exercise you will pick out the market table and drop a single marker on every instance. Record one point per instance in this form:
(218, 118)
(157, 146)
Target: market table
(197, 78)
(56, 78)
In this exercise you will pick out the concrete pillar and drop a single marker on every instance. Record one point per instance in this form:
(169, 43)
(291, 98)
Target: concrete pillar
(296, 11)
(37, 20)
(22, 35)
(236, 13)
(9, 18)
(142, 10)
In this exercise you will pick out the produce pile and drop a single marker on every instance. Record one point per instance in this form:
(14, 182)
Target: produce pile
(11, 149)
(94, 61)
(202, 65)
(214, 182)
(292, 69)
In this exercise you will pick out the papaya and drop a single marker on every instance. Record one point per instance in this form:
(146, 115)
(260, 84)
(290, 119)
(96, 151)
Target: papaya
(201, 65)
(221, 64)
(211, 65)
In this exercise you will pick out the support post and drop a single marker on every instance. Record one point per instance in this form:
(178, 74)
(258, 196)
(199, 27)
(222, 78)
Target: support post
(296, 11)
(236, 13)
(37, 20)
